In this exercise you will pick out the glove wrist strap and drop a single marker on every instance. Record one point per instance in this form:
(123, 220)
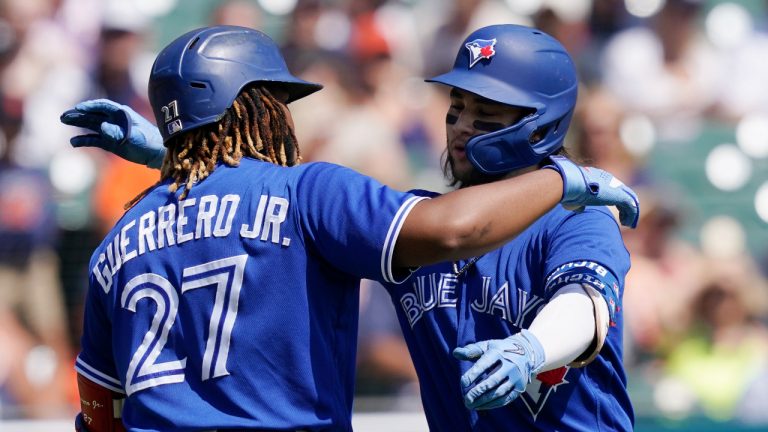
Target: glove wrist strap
(536, 352)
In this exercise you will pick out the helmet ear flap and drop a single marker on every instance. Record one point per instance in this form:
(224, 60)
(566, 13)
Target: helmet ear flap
(504, 150)
(524, 144)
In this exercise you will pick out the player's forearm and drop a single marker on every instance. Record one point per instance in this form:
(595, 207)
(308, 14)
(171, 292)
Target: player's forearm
(565, 327)
(475, 220)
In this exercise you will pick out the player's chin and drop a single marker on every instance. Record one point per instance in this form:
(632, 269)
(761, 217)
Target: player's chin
(461, 169)
(469, 176)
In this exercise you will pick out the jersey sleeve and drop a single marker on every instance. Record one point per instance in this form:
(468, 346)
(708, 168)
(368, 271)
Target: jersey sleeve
(95, 360)
(353, 220)
(587, 248)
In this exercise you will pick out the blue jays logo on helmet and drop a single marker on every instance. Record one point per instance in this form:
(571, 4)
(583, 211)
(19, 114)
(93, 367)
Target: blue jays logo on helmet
(480, 49)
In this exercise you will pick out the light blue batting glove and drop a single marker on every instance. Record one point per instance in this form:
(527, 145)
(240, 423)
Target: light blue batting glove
(119, 130)
(588, 186)
(504, 368)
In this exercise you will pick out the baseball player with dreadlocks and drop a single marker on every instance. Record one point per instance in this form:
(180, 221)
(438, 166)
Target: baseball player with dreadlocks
(226, 297)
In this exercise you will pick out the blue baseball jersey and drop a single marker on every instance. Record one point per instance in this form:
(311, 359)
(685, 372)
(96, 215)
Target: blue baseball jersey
(237, 307)
(499, 295)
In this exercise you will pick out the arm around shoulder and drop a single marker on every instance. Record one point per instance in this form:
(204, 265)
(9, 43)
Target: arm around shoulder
(475, 220)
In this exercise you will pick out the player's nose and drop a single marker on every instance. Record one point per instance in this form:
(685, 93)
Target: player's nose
(463, 128)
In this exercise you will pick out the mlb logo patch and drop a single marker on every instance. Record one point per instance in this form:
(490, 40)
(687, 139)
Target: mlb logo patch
(174, 127)
(480, 49)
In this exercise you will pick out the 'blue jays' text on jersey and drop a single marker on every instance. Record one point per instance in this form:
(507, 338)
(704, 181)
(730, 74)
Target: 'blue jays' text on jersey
(497, 297)
(237, 307)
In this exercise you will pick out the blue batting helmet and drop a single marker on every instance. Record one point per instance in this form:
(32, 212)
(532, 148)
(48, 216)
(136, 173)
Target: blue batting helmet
(524, 67)
(198, 76)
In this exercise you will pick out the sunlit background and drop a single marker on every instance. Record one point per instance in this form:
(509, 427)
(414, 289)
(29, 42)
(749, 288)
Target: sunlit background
(674, 101)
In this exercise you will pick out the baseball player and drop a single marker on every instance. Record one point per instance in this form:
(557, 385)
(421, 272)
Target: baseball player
(535, 325)
(226, 296)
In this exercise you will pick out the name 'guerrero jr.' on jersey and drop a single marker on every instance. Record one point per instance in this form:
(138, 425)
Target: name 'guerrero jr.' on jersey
(170, 225)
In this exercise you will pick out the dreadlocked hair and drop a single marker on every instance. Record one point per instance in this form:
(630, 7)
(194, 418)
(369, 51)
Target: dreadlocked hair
(254, 126)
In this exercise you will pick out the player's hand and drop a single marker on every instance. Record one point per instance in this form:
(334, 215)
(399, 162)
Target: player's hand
(587, 186)
(503, 369)
(119, 130)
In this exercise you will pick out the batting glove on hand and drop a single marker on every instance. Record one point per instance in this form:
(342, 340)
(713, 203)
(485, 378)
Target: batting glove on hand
(504, 366)
(119, 130)
(587, 186)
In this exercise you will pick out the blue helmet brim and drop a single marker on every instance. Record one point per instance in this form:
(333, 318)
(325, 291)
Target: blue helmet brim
(487, 87)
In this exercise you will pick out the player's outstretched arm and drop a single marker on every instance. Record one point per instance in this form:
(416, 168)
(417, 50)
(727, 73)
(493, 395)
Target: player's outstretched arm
(474, 220)
(118, 129)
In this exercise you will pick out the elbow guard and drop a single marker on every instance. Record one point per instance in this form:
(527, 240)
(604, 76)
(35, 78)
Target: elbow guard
(602, 287)
(602, 323)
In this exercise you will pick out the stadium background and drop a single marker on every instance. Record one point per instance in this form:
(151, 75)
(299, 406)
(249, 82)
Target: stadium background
(674, 100)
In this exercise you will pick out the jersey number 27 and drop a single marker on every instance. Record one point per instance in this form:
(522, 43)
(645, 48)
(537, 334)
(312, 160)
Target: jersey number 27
(225, 277)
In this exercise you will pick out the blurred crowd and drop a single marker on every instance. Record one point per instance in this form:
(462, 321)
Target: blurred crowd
(654, 75)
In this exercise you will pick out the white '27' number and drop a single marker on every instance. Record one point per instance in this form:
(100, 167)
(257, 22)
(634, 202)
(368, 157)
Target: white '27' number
(225, 276)
(170, 111)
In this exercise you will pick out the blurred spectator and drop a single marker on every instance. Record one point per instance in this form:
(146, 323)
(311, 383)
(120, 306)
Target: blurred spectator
(243, 13)
(119, 183)
(751, 408)
(120, 63)
(665, 273)
(598, 120)
(664, 268)
(42, 72)
(667, 70)
(314, 32)
(384, 364)
(745, 90)
(119, 56)
(463, 17)
(373, 115)
(573, 34)
(727, 346)
(605, 19)
(354, 127)
(440, 51)
(367, 39)
(35, 380)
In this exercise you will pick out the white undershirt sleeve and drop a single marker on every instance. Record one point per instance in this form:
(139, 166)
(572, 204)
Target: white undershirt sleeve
(565, 326)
